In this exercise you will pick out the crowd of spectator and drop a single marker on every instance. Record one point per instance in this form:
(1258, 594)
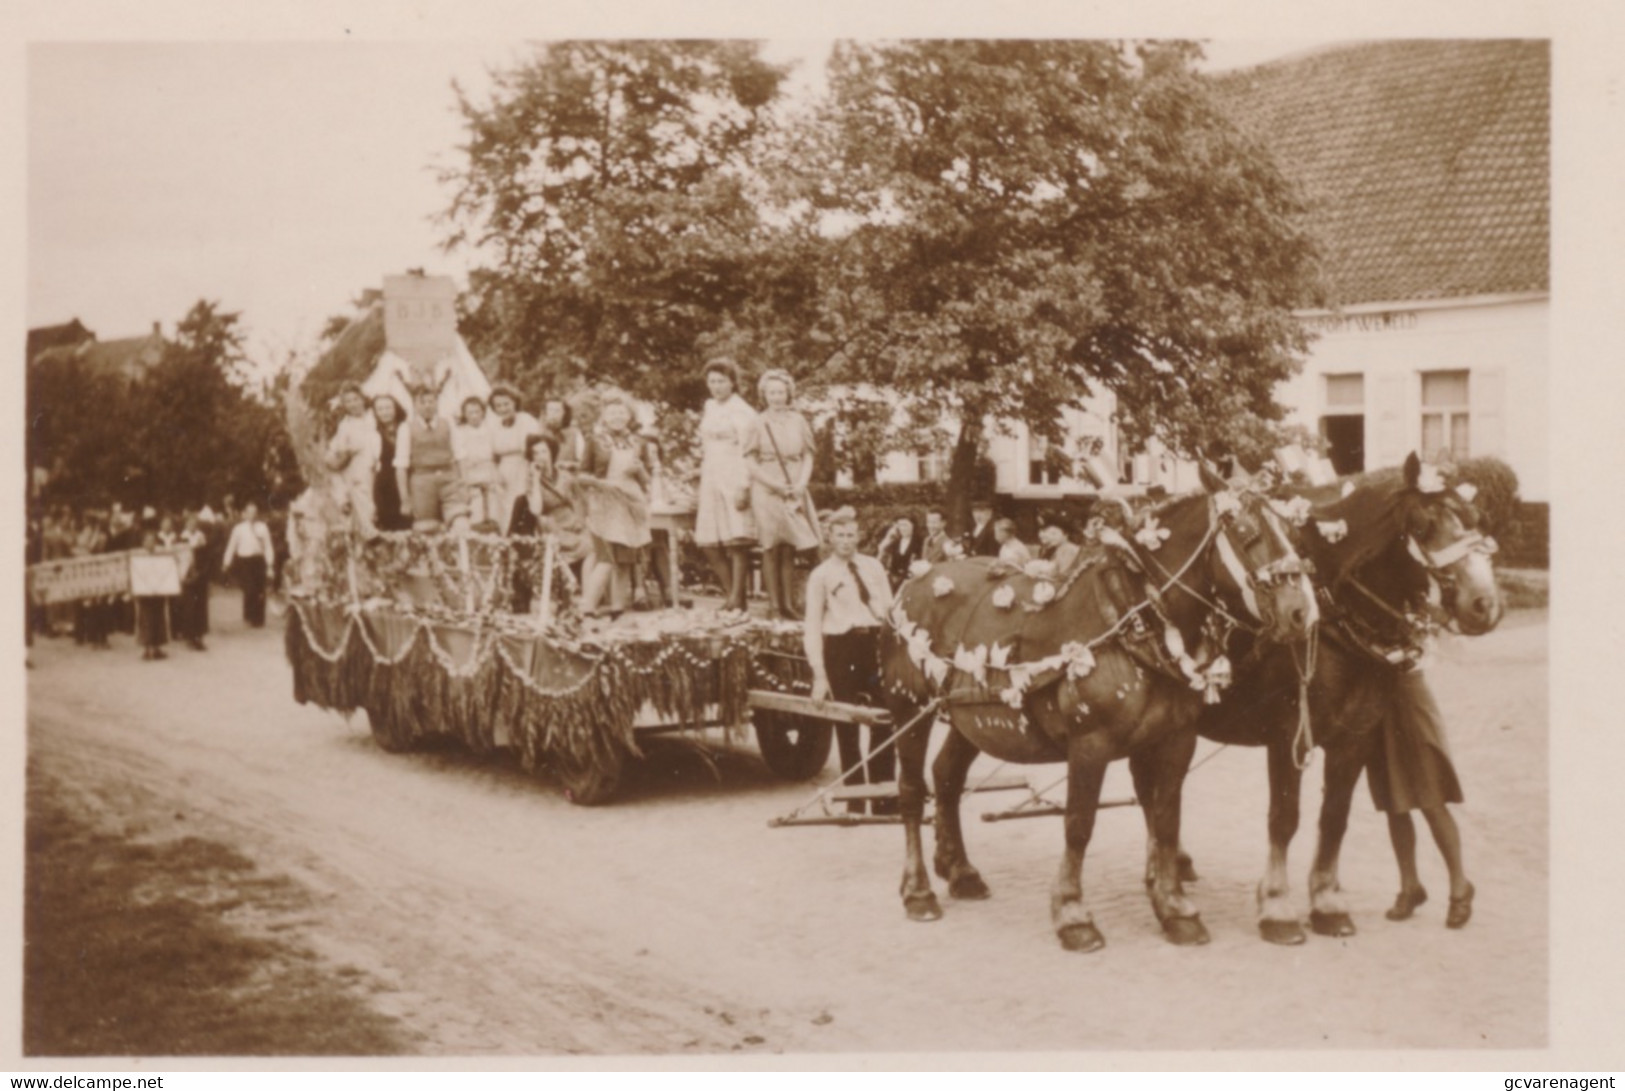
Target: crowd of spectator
(211, 544)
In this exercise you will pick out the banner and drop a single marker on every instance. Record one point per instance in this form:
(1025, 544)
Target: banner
(102, 575)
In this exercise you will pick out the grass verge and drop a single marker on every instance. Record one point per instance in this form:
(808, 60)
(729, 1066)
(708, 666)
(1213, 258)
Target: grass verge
(128, 952)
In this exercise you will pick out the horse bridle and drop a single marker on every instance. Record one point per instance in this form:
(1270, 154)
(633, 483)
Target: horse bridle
(1287, 568)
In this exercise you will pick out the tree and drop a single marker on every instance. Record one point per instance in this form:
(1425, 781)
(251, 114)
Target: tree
(1033, 217)
(188, 431)
(611, 186)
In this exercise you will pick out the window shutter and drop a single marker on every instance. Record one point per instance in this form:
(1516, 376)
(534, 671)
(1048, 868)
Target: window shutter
(1385, 426)
(1488, 393)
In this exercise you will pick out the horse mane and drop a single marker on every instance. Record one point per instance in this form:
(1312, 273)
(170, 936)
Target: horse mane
(1375, 515)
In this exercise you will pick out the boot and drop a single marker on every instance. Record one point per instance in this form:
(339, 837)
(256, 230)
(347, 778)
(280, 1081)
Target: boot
(771, 564)
(738, 575)
(787, 582)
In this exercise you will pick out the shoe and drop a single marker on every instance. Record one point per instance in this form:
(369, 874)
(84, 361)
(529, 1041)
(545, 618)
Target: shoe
(146, 653)
(159, 653)
(1406, 904)
(1461, 909)
(197, 645)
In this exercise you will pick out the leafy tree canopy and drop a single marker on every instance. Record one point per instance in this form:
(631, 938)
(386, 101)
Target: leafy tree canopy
(611, 184)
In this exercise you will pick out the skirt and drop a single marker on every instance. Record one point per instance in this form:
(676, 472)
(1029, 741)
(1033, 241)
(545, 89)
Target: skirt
(1410, 767)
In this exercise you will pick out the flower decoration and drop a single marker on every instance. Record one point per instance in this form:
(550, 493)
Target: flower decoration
(1004, 596)
(942, 586)
(919, 568)
(1225, 502)
(952, 549)
(1043, 592)
(1152, 534)
(1429, 479)
(973, 661)
(936, 668)
(1467, 491)
(1012, 696)
(1295, 511)
(998, 656)
(1080, 661)
(1333, 531)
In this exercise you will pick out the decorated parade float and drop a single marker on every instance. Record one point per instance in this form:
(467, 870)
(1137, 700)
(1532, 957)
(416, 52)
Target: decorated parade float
(476, 638)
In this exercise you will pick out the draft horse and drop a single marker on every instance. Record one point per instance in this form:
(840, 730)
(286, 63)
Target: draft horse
(1393, 557)
(1110, 659)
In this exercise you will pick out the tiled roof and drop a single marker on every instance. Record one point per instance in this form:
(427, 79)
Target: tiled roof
(129, 357)
(1425, 164)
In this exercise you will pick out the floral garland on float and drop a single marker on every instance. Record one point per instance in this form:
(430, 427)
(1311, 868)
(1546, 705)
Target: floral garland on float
(418, 630)
(1037, 587)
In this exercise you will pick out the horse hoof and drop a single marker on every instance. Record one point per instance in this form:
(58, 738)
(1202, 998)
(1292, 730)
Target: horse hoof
(1336, 925)
(1083, 938)
(1185, 931)
(1285, 933)
(922, 907)
(969, 888)
(1461, 909)
(1187, 870)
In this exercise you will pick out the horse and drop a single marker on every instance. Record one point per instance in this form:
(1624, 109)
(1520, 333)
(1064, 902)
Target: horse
(1391, 557)
(1111, 659)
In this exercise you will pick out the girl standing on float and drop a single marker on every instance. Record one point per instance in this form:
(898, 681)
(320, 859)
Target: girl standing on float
(511, 430)
(724, 527)
(778, 448)
(386, 491)
(613, 484)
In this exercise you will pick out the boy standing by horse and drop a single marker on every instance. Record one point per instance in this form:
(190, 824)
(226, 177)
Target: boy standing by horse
(848, 600)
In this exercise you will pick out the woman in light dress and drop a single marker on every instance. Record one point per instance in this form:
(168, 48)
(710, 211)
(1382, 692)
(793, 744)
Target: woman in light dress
(511, 429)
(724, 527)
(778, 448)
(612, 487)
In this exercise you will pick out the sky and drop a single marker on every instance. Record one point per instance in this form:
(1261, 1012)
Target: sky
(279, 179)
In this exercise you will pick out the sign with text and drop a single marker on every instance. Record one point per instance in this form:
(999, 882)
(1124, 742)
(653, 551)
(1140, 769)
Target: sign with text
(154, 574)
(104, 575)
(420, 318)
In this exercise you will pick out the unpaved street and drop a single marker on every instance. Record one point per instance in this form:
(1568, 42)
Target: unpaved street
(493, 917)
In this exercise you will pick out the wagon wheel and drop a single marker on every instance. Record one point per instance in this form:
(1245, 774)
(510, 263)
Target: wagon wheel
(590, 783)
(794, 747)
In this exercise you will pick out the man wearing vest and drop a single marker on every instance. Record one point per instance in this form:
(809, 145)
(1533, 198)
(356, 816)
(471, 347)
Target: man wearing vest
(848, 599)
(426, 468)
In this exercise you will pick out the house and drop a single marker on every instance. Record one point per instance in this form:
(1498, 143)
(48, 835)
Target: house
(129, 358)
(1425, 169)
(1425, 166)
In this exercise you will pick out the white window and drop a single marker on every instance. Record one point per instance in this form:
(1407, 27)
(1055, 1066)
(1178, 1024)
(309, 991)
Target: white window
(1445, 415)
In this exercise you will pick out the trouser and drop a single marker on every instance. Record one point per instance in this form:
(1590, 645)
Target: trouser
(252, 574)
(852, 663)
(192, 610)
(437, 497)
(358, 490)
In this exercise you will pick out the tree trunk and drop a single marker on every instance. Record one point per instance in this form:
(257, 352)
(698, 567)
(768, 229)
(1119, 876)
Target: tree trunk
(962, 476)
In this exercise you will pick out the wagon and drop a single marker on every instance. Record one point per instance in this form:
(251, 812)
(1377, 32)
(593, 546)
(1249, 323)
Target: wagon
(578, 707)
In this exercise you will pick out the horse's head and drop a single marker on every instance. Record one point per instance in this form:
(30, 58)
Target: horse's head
(1441, 531)
(1255, 567)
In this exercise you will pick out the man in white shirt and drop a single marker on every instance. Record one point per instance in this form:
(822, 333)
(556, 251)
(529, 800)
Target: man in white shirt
(848, 599)
(353, 454)
(251, 550)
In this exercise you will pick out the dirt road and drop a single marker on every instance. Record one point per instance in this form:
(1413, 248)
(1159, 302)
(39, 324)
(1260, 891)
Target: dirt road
(495, 918)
